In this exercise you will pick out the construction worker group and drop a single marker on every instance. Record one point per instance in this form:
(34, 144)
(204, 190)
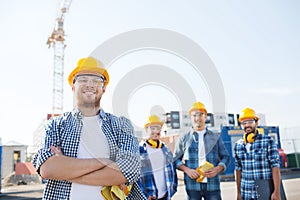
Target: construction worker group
(88, 153)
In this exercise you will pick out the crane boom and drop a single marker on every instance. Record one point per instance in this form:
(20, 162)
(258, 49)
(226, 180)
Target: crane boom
(57, 41)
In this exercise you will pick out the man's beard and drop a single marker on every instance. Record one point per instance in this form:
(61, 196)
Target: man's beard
(89, 104)
(251, 130)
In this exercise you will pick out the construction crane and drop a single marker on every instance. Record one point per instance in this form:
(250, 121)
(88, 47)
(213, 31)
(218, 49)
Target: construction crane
(57, 41)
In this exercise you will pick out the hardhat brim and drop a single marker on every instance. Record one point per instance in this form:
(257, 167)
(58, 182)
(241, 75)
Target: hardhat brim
(153, 123)
(256, 118)
(89, 71)
(197, 109)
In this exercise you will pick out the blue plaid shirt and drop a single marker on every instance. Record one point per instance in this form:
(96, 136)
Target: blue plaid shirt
(147, 178)
(255, 164)
(64, 131)
(186, 152)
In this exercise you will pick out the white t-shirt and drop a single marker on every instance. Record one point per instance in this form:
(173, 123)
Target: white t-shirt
(93, 144)
(158, 162)
(201, 150)
(248, 145)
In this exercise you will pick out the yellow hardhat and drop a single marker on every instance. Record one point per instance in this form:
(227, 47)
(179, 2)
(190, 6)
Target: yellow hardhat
(198, 106)
(153, 119)
(248, 113)
(89, 65)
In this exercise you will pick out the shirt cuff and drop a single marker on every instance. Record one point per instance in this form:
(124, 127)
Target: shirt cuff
(223, 164)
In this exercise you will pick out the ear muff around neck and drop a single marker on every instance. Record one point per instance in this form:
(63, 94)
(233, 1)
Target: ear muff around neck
(154, 143)
(249, 137)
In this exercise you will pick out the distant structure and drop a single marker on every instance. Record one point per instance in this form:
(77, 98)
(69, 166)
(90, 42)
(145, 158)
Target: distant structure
(57, 41)
(262, 119)
(38, 136)
(12, 153)
(213, 121)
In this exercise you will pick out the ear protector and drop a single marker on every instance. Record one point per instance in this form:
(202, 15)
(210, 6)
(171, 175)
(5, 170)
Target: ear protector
(249, 137)
(154, 143)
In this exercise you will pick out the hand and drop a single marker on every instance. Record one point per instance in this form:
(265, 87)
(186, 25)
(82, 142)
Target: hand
(125, 189)
(192, 173)
(151, 198)
(56, 150)
(275, 196)
(213, 172)
(122, 187)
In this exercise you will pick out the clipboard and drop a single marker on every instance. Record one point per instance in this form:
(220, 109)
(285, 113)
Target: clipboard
(265, 188)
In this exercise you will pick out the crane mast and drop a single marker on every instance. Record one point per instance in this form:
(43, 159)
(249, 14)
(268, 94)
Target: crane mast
(57, 41)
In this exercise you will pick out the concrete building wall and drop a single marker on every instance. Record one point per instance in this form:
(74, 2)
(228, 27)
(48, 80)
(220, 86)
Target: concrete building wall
(290, 139)
(8, 159)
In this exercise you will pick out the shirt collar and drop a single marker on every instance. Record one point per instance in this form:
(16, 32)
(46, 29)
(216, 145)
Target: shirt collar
(194, 131)
(201, 132)
(103, 115)
(78, 114)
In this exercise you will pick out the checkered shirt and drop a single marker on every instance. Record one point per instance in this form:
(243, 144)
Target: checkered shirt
(64, 131)
(147, 179)
(186, 152)
(255, 164)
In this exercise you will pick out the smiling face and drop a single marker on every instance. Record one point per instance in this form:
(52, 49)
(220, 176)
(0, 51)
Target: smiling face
(153, 131)
(198, 118)
(88, 90)
(249, 125)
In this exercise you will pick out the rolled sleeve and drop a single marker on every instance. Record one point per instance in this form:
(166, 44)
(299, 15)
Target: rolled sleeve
(237, 162)
(128, 157)
(40, 157)
(237, 166)
(223, 164)
(224, 155)
(273, 154)
(44, 152)
(178, 152)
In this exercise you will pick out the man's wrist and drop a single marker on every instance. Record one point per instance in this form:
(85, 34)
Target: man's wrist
(220, 168)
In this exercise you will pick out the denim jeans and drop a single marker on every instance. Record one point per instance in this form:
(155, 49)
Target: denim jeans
(207, 195)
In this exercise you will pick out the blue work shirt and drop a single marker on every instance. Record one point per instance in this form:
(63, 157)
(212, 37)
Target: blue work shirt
(147, 178)
(186, 152)
(255, 164)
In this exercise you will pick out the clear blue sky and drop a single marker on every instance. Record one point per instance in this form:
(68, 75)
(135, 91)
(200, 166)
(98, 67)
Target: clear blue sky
(255, 46)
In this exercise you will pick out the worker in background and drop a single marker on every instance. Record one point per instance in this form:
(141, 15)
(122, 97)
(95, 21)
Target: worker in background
(200, 145)
(159, 178)
(256, 157)
(87, 148)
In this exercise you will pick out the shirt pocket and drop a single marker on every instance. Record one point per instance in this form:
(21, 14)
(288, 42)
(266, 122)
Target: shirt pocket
(260, 155)
(240, 155)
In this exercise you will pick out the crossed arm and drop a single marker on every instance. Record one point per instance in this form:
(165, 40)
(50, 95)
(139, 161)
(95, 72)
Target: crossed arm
(90, 171)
